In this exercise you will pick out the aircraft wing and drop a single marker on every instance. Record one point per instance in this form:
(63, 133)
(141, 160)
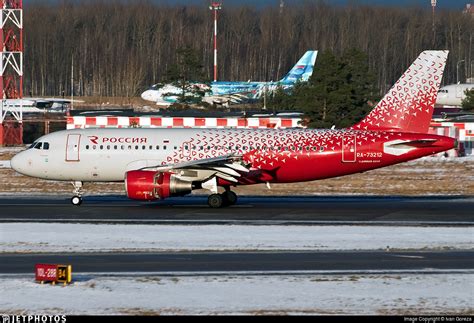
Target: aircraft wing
(53, 100)
(239, 97)
(228, 167)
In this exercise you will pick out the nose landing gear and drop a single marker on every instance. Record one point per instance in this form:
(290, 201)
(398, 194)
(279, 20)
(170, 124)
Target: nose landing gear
(77, 198)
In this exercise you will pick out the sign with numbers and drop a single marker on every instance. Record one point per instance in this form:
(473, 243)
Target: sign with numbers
(53, 273)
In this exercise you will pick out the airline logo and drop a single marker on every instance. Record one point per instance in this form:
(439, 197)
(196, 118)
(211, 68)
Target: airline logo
(121, 140)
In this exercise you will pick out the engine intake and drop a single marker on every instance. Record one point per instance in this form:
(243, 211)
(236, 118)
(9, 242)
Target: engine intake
(149, 185)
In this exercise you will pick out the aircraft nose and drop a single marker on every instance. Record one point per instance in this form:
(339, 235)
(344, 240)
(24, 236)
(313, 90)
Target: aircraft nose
(146, 95)
(18, 163)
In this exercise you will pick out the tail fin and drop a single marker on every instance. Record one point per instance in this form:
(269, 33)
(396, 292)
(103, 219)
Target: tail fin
(408, 106)
(303, 70)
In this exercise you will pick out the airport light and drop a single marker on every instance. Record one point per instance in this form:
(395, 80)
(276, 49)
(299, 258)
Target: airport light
(215, 6)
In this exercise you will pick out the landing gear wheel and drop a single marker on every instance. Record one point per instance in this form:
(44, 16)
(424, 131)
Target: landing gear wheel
(76, 200)
(230, 197)
(215, 201)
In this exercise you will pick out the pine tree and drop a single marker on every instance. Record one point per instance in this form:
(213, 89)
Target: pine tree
(188, 75)
(468, 102)
(339, 93)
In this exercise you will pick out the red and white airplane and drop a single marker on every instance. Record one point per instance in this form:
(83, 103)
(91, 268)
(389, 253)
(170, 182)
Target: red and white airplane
(159, 163)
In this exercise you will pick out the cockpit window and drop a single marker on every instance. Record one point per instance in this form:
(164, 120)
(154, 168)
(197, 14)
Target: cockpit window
(39, 145)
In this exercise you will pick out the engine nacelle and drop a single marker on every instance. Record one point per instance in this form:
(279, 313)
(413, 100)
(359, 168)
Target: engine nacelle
(149, 185)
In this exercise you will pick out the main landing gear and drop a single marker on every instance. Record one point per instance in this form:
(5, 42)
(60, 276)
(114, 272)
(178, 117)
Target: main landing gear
(77, 198)
(221, 200)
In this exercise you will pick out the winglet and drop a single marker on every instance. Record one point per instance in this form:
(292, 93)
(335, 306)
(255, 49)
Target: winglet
(408, 106)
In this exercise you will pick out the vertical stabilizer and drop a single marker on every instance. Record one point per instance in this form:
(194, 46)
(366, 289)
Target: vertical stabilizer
(303, 70)
(408, 106)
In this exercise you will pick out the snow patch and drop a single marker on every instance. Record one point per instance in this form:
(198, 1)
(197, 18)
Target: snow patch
(5, 164)
(308, 294)
(57, 237)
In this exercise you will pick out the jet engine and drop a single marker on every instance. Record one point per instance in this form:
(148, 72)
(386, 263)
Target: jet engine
(149, 185)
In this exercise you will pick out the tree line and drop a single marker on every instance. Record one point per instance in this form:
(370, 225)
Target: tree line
(118, 48)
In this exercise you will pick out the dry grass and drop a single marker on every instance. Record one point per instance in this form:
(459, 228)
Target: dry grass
(440, 177)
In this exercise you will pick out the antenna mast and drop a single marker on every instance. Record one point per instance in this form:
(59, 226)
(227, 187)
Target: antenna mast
(215, 6)
(11, 68)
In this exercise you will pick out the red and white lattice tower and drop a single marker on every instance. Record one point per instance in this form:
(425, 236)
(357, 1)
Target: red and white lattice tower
(11, 63)
(215, 6)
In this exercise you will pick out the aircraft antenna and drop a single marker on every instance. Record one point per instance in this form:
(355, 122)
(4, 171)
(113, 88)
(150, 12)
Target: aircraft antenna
(215, 6)
(11, 70)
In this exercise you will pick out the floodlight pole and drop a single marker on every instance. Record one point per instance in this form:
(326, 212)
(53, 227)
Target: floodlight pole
(215, 6)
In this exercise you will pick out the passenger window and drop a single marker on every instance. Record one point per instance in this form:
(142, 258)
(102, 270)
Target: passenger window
(101, 147)
(94, 147)
(157, 147)
(143, 147)
(115, 147)
(108, 147)
(164, 147)
(87, 147)
(46, 146)
(151, 147)
(136, 147)
(321, 149)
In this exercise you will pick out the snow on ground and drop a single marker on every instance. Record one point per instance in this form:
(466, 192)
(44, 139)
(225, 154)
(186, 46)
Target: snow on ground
(55, 237)
(15, 149)
(308, 294)
(5, 164)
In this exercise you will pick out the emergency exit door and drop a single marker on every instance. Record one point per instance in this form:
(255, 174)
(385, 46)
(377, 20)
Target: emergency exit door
(349, 148)
(72, 148)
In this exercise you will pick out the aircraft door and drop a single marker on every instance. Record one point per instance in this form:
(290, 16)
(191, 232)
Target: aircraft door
(349, 148)
(72, 148)
(459, 91)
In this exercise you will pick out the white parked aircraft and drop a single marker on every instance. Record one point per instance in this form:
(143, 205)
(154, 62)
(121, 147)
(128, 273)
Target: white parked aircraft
(453, 94)
(40, 105)
(159, 163)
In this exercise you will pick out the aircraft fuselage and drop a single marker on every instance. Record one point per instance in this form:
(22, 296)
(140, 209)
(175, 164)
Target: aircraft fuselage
(277, 156)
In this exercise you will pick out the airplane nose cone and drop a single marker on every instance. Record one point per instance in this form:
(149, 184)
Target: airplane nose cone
(18, 163)
(14, 162)
(146, 95)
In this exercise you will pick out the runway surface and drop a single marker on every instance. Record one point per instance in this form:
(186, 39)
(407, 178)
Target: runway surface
(244, 261)
(434, 210)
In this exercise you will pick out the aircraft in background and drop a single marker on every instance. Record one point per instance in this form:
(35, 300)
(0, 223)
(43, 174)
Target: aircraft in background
(41, 105)
(235, 92)
(160, 163)
(453, 94)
